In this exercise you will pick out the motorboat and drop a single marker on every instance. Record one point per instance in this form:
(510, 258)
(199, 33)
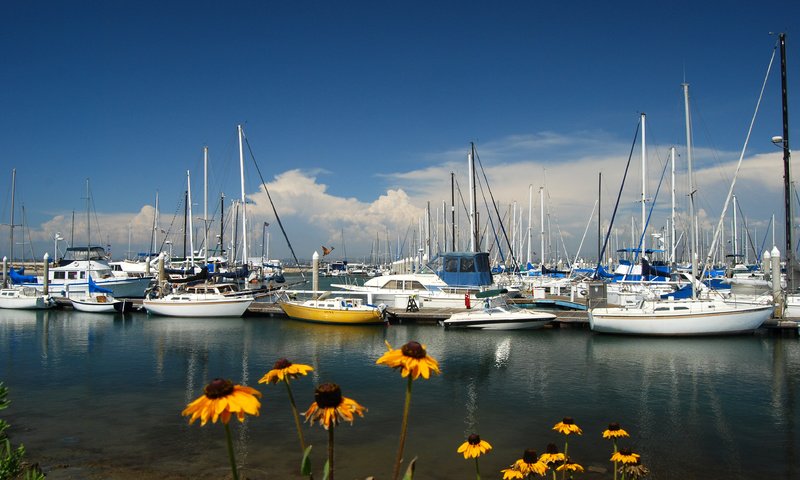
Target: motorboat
(200, 300)
(336, 310)
(497, 314)
(25, 298)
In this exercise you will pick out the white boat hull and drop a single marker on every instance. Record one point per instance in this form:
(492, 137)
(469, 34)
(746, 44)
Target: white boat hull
(128, 287)
(504, 320)
(99, 304)
(216, 307)
(16, 299)
(677, 318)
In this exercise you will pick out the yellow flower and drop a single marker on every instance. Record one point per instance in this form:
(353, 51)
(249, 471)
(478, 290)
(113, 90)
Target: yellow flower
(412, 358)
(474, 447)
(220, 399)
(330, 406)
(569, 466)
(614, 431)
(625, 456)
(511, 474)
(567, 426)
(551, 455)
(284, 369)
(529, 463)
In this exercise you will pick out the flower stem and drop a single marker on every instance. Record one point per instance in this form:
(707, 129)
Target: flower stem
(296, 417)
(330, 452)
(231, 456)
(615, 462)
(566, 458)
(403, 429)
(477, 470)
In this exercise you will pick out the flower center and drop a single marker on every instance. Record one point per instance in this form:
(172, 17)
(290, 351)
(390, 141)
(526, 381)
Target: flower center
(219, 387)
(281, 364)
(413, 350)
(328, 395)
(568, 421)
(552, 448)
(473, 439)
(625, 451)
(530, 456)
(613, 427)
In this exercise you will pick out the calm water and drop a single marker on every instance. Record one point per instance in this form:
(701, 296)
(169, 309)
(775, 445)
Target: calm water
(97, 391)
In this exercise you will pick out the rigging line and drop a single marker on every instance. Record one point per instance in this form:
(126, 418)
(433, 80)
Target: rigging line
(272, 204)
(764, 241)
(489, 214)
(494, 204)
(650, 214)
(616, 205)
(558, 225)
(747, 230)
(738, 167)
(169, 230)
(588, 224)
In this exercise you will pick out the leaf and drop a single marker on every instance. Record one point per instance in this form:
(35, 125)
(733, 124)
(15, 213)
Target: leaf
(326, 471)
(305, 464)
(409, 475)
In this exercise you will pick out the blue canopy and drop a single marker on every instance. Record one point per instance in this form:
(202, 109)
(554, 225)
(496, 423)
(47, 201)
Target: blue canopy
(93, 288)
(465, 269)
(18, 276)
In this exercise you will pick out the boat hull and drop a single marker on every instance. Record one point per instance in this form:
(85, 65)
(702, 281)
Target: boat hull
(499, 321)
(306, 313)
(226, 307)
(127, 287)
(685, 322)
(99, 304)
(15, 300)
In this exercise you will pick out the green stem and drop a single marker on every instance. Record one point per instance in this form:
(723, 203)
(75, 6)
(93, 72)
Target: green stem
(297, 423)
(330, 452)
(566, 458)
(403, 429)
(231, 456)
(477, 470)
(615, 462)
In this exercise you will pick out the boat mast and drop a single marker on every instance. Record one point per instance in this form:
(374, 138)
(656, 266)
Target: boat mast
(693, 244)
(13, 194)
(541, 209)
(205, 204)
(191, 227)
(244, 204)
(644, 189)
(155, 229)
(672, 219)
(530, 220)
(473, 224)
(599, 234)
(787, 184)
(453, 208)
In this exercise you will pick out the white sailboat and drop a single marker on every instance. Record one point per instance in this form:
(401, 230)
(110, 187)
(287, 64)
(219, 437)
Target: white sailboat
(676, 317)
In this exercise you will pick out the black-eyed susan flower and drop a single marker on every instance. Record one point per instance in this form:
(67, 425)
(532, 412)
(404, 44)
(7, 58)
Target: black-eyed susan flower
(567, 426)
(569, 466)
(530, 463)
(284, 369)
(614, 431)
(512, 473)
(221, 399)
(330, 406)
(412, 358)
(474, 447)
(551, 455)
(635, 470)
(625, 456)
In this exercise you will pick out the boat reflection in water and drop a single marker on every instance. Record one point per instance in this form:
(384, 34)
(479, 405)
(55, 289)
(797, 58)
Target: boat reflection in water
(702, 408)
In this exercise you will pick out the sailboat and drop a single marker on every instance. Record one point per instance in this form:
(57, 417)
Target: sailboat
(97, 300)
(13, 295)
(677, 317)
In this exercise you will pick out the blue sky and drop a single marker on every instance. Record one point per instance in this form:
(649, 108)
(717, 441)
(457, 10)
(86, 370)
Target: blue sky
(357, 111)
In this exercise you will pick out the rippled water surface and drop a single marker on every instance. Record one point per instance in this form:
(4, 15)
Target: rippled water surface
(93, 392)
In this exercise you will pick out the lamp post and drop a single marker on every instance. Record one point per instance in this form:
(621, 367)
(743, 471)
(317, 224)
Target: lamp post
(169, 243)
(56, 239)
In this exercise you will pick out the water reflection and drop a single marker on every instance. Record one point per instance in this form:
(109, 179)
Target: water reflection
(714, 408)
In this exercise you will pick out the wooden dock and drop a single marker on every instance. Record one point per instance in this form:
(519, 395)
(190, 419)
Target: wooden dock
(432, 316)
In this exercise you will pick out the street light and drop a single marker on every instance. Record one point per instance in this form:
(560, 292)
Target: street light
(169, 242)
(56, 239)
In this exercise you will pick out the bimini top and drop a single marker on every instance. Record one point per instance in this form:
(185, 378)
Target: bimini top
(465, 269)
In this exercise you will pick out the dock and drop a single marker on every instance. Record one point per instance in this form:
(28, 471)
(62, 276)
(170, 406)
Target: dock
(432, 316)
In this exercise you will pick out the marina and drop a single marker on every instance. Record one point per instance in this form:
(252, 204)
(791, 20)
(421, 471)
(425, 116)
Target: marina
(716, 408)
